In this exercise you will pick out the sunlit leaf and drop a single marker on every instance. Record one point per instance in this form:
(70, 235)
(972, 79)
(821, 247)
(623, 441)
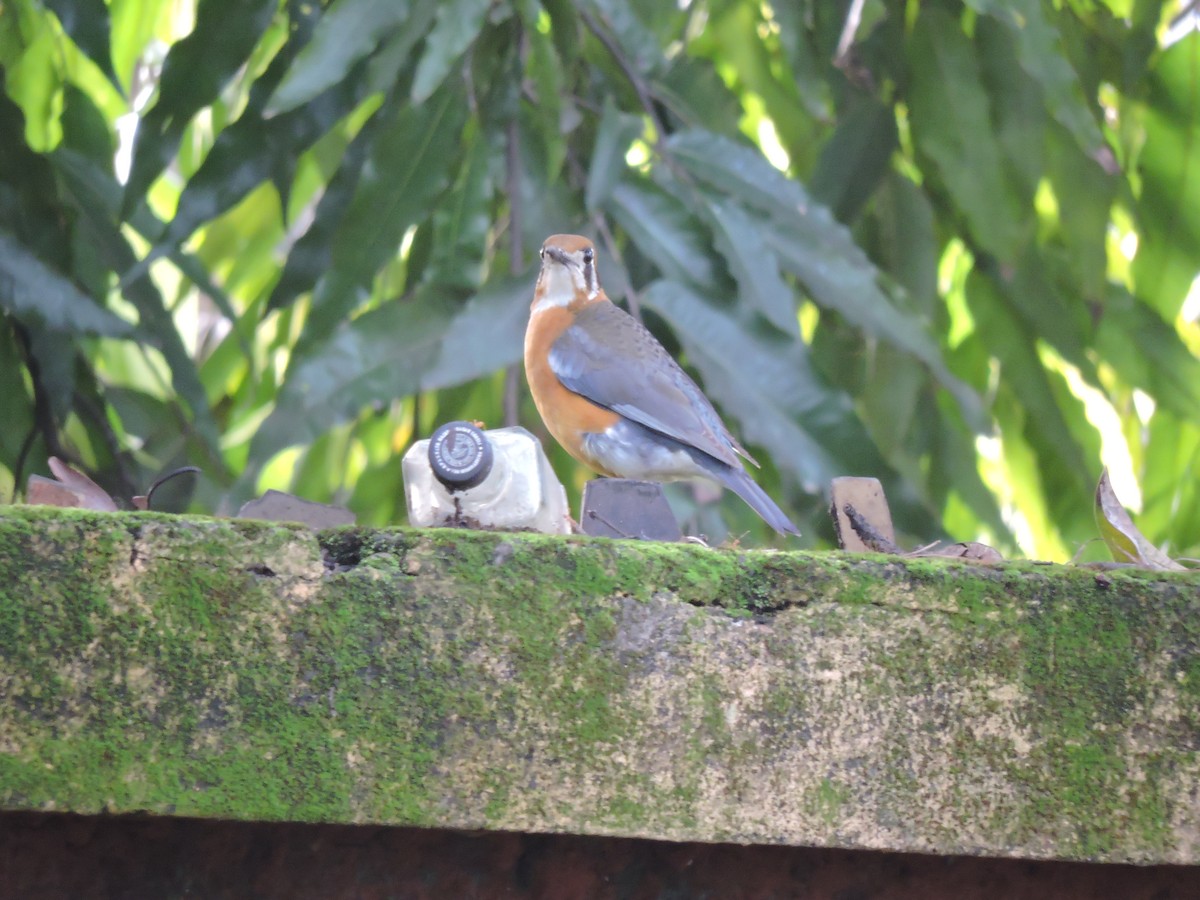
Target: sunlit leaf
(194, 72)
(312, 253)
(155, 324)
(407, 164)
(253, 149)
(133, 23)
(89, 183)
(87, 23)
(380, 356)
(1046, 423)
(1170, 481)
(31, 79)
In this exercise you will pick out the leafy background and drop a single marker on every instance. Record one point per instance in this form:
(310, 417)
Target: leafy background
(950, 245)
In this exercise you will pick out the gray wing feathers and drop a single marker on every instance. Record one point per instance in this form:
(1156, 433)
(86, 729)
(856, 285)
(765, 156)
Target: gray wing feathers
(643, 384)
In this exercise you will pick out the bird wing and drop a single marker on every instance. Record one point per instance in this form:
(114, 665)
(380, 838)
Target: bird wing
(609, 357)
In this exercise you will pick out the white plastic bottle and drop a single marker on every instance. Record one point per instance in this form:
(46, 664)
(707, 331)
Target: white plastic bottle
(497, 479)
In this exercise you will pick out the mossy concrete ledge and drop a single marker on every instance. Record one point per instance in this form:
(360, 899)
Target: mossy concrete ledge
(226, 668)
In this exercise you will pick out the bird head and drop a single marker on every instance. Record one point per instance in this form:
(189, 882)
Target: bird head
(568, 272)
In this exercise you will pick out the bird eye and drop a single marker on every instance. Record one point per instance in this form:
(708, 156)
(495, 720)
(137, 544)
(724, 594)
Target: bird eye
(542, 253)
(588, 255)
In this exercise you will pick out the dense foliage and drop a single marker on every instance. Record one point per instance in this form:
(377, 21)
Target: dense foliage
(950, 245)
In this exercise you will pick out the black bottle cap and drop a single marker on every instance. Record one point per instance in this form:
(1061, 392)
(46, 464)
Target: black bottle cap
(460, 455)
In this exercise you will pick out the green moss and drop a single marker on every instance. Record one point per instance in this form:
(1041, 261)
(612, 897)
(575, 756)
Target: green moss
(216, 667)
(828, 801)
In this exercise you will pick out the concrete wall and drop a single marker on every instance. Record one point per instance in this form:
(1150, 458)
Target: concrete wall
(519, 683)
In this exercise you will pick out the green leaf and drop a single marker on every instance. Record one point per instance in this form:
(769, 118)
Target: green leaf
(1170, 479)
(394, 60)
(763, 380)
(949, 112)
(86, 22)
(134, 23)
(564, 29)
(407, 166)
(693, 93)
(614, 136)
(312, 254)
(758, 377)
(546, 206)
(194, 72)
(663, 231)
(953, 469)
(458, 25)
(1040, 51)
(904, 242)
(856, 158)
(486, 335)
(740, 238)
(817, 249)
(380, 356)
(348, 31)
(250, 151)
(637, 43)
(94, 204)
(32, 80)
(805, 58)
(85, 129)
(1048, 304)
(551, 103)
(1148, 353)
(461, 223)
(1085, 193)
(88, 179)
(16, 403)
(1011, 342)
(1018, 113)
(1168, 209)
(30, 288)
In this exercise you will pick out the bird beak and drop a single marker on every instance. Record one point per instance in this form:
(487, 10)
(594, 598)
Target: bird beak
(558, 255)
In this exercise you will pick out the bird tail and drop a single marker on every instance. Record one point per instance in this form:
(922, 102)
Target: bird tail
(740, 482)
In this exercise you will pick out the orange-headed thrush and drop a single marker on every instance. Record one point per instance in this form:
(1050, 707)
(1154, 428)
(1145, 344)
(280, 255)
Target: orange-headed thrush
(611, 394)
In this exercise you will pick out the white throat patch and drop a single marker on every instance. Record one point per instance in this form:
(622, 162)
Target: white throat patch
(558, 284)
